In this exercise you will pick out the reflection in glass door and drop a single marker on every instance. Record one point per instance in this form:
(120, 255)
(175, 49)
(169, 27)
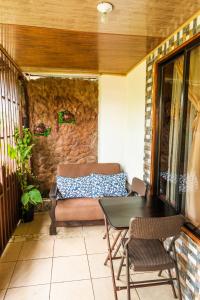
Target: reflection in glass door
(191, 159)
(171, 96)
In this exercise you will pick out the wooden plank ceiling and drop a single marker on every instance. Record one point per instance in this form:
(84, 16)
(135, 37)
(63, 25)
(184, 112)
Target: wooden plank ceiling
(67, 36)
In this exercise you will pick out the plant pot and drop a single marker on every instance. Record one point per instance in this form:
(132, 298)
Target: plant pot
(28, 215)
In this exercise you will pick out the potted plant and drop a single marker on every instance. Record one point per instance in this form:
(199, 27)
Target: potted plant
(21, 153)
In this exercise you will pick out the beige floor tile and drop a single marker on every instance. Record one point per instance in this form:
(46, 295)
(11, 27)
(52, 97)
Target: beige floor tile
(65, 232)
(40, 237)
(22, 229)
(69, 246)
(38, 292)
(95, 244)
(70, 268)
(19, 238)
(2, 293)
(146, 275)
(37, 249)
(11, 252)
(98, 230)
(37, 228)
(153, 293)
(103, 290)
(42, 218)
(32, 272)
(74, 290)
(6, 271)
(97, 268)
(156, 293)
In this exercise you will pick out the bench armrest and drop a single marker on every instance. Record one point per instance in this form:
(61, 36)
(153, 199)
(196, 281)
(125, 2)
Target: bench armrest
(53, 191)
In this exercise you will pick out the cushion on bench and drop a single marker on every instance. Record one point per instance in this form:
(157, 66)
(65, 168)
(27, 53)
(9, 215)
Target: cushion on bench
(109, 185)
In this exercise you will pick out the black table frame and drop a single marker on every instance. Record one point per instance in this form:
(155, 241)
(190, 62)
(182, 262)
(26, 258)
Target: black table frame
(127, 208)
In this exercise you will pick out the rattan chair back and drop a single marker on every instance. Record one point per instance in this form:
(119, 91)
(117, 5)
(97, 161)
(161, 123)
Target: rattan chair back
(155, 228)
(138, 187)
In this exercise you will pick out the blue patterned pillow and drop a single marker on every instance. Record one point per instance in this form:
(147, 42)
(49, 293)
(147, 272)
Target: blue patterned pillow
(79, 187)
(109, 185)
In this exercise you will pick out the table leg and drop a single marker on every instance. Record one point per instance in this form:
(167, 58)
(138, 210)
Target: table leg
(110, 257)
(123, 236)
(113, 246)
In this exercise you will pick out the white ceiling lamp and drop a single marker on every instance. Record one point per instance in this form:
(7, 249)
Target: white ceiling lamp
(104, 8)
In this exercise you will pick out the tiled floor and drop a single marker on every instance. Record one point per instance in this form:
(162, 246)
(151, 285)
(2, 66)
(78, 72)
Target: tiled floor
(68, 266)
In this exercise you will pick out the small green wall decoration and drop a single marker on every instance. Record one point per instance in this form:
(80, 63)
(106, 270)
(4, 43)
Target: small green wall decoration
(42, 130)
(66, 117)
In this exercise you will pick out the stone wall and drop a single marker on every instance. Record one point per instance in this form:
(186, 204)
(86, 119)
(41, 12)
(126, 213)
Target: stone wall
(67, 143)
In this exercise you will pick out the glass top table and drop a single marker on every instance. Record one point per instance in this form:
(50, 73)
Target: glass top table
(119, 210)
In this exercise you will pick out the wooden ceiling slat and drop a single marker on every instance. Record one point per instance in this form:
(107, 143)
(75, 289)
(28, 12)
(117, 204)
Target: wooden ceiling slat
(36, 48)
(68, 35)
(132, 17)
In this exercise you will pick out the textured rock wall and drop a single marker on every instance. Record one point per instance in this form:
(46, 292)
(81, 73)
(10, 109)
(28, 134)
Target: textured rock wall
(67, 143)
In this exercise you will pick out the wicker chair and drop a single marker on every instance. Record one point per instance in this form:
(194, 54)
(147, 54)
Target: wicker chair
(137, 188)
(144, 250)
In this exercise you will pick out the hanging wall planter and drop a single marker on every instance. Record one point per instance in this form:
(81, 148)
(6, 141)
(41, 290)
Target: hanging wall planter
(66, 117)
(42, 130)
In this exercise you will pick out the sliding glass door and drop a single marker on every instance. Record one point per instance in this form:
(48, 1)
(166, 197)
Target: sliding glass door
(178, 133)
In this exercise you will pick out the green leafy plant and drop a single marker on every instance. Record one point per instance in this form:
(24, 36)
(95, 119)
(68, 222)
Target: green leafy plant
(21, 153)
(31, 195)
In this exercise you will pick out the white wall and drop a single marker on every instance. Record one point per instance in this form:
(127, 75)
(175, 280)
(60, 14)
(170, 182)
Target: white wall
(112, 102)
(135, 119)
(121, 120)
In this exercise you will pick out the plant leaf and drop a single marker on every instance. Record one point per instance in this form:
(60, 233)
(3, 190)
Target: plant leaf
(25, 198)
(27, 151)
(35, 196)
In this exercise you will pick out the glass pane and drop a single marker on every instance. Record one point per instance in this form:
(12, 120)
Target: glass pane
(191, 163)
(172, 85)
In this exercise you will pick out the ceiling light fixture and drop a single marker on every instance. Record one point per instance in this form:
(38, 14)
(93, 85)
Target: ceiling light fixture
(104, 8)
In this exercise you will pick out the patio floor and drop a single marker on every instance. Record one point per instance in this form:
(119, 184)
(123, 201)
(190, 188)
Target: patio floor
(68, 266)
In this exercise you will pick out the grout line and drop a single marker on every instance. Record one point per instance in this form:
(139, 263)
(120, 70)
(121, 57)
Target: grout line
(24, 286)
(89, 268)
(20, 251)
(73, 280)
(51, 270)
(10, 280)
(22, 260)
(132, 276)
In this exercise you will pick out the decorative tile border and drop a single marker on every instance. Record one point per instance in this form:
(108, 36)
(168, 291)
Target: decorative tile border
(188, 251)
(184, 34)
(188, 254)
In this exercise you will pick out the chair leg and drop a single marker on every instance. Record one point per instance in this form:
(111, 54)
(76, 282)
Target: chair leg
(105, 235)
(178, 282)
(172, 283)
(120, 267)
(128, 277)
